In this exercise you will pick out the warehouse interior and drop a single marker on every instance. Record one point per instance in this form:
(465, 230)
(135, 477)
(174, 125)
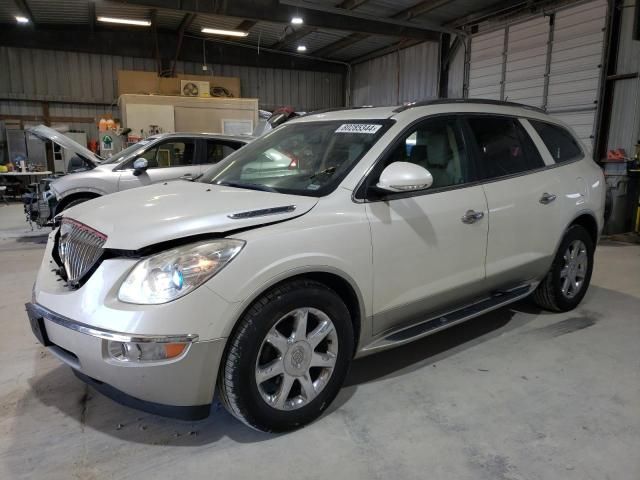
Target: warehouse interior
(514, 393)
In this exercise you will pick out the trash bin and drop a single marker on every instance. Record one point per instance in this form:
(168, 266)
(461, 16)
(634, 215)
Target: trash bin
(619, 218)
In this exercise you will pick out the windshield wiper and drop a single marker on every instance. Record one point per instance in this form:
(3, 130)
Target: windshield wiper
(326, 171)
(249, 186)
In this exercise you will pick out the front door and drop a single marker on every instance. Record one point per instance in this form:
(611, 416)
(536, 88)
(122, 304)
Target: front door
(168, 160)
(428, 247)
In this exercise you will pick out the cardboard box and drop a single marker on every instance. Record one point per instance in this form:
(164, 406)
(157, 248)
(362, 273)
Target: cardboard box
(138, 82)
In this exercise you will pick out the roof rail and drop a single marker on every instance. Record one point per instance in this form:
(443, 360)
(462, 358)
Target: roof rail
(335, 109)
(475, 101)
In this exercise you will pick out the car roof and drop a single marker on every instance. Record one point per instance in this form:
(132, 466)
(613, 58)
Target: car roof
(422, 108)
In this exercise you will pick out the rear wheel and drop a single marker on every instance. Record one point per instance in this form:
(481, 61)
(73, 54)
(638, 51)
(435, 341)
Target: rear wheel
(568, 280)
(288, 357)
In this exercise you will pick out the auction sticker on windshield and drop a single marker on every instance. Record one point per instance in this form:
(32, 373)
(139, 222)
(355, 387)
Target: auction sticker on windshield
(369, 128)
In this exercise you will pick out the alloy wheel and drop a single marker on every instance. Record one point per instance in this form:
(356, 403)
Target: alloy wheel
(296, 359)
(574, 271)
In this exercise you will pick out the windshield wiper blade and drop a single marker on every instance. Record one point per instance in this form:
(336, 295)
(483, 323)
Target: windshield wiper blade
(192, 179)
(249, 186)
(326, 171)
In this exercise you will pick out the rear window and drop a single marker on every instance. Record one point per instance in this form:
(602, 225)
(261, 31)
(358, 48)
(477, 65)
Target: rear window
(560, 143)
(504, 147)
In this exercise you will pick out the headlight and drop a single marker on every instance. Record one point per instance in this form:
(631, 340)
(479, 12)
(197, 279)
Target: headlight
(169, 275)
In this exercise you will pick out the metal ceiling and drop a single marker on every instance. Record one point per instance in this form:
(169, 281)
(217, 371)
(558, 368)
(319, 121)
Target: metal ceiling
(265, 34)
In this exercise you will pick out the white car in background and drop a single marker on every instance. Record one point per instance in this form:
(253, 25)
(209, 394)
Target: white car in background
(158, 158)
(394, 223)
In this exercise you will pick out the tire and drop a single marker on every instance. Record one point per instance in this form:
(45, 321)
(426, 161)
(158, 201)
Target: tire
(261, 405)
(73, 203)
(550, 294)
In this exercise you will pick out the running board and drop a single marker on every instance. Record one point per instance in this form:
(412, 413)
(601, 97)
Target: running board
(414, 332)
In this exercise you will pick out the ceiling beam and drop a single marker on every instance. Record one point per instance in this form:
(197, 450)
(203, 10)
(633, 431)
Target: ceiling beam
(294, 36)
(421, 8)
(138, 43)
(24, 8)
(281, 11)
(406, 43)
(345, 42)
(246, 25)
(351, 4)
(302, 32)
(406, 14)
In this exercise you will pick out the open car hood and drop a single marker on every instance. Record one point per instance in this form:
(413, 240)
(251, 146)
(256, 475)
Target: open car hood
(146, 216)
(46, 133)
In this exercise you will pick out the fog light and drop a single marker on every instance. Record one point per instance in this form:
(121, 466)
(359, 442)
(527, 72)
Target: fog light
(144, 352)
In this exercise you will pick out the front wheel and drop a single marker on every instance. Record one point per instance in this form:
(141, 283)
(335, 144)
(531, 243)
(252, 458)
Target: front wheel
(288, 357)
(568, 280)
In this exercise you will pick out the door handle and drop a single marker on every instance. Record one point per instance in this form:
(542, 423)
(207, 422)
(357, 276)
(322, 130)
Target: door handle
(547, 198)
(471, 216)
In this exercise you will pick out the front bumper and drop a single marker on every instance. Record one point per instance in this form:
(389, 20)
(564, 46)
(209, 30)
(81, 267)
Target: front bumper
(182, 387)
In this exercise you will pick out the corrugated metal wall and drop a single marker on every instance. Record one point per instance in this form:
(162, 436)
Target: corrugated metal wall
(406, 75)
(559, 70)
(91, 80)
(624, 131)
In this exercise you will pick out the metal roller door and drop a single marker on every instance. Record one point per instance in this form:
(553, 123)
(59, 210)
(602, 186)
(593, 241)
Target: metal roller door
(487, 59)
(553, 61)
(527, 62)
(575, 67)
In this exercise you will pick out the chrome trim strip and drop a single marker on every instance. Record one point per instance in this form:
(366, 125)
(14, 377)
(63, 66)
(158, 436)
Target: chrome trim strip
(262, 213)
(110, 334)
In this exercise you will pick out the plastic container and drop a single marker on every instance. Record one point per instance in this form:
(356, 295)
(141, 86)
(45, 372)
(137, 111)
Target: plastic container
(619, 220)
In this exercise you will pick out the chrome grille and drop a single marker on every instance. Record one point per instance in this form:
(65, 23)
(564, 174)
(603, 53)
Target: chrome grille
(79, 248)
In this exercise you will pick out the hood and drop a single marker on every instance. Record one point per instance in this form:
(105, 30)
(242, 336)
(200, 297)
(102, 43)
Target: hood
(145, 216)
(46, 133)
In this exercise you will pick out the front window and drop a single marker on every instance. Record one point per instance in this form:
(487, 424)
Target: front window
(309, 158)
(128, 152)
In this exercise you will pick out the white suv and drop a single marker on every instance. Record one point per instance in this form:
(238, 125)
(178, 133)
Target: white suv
(337, 235)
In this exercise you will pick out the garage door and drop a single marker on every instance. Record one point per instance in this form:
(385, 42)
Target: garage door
(527, 62)
(485, 72)
(519, 74)
(576, 63)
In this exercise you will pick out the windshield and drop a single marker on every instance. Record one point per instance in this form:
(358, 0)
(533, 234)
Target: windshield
(127, 151)
(309, 158)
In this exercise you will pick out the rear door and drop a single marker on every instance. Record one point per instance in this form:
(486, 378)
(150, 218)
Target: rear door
(524, 199)
(169, 159)
(426, 256)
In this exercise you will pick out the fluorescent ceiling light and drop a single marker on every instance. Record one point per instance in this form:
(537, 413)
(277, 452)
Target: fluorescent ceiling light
(125, 21)
(20, 19)
(297, 20)
(230, 33)
(302, 48)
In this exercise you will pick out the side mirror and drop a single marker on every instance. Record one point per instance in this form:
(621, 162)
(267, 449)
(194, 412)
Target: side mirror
(404, 177)
(139, 166)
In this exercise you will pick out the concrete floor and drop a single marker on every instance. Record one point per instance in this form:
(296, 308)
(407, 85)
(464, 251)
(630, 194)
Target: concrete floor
(515, 394)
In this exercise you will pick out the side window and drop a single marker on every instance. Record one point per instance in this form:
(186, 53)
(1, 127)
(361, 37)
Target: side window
(504, 146)
(436, 144)
(560, 143)
(217, 150)
(172, 153)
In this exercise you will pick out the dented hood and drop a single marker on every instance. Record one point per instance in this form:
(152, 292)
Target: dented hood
(158, 213)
